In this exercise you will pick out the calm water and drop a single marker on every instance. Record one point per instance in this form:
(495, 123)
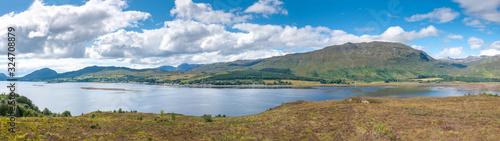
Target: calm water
(198, 101)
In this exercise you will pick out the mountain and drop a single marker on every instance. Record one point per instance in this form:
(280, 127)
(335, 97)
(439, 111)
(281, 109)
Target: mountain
(182, 67)
(3, 77)
(94, 73)
(166, 68)
(358, 61)
(39, 75)
(488, 67)
(92, 69)
(469, 59)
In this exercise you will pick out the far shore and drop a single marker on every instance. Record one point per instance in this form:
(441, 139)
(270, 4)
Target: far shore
(490, 86)
(113, 89)
(493, 86)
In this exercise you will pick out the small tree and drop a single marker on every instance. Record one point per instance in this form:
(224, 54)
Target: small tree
(120, 110)
(46, 112)
(66, 114)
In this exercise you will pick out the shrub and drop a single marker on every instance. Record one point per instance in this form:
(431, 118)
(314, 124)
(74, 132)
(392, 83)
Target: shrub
(120, 110)
(139, 118)
(161, 112)
(173, 116)
(95, 126)
(66, 114)
(92, 116)
(207, 118)
(223, 115)
(46, 112)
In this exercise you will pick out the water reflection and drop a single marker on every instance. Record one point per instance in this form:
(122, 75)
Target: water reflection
(198, 101)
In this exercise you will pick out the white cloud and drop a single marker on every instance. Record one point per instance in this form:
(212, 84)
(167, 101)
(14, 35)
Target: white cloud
(205, 57)
(482, 9)
(490, 52)
(61, 31)
(455, 36)
(418, 47)
(439, 15)
(185, 37)
(186, 9)
(473, 22)
(397, 34)
(267, 7)
(475, 43)
(452, 52)
(495, 45)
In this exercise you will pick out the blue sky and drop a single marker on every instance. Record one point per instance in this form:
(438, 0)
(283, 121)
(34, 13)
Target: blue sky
(70, 34)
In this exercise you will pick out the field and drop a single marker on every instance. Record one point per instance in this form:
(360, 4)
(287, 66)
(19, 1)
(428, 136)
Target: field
(474, 117)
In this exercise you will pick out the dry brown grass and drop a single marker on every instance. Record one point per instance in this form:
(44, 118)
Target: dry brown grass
(422, 118)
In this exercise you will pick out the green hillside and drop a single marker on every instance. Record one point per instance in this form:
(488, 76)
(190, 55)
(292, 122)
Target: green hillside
(374, 61)
(487, 68)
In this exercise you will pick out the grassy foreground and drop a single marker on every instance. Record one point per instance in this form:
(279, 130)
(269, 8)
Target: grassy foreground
(474, 117)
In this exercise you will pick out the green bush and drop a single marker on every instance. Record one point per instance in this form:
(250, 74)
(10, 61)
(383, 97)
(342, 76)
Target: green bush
(207, 118)
(46, 112)
(66, 114)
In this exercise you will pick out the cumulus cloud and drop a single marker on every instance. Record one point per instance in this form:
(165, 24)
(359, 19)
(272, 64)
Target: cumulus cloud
(490, 52)
(184, 37)
(455, 36)
(481, 9)
(439, 15)
(495, 45)
(205, 57)
(60, 31)
(418, 47)
(473, 22)
(450, 52)
(187, 9)
(267, 7)
(475, 43)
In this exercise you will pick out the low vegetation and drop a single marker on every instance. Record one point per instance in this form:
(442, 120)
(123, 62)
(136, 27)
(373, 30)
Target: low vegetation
(470, 117)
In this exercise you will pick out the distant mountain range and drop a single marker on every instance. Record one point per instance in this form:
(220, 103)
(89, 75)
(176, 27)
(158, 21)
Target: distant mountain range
(373, 61)
(181, 67)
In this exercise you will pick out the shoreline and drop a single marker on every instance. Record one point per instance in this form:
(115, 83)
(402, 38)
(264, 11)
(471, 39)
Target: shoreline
(490, 86)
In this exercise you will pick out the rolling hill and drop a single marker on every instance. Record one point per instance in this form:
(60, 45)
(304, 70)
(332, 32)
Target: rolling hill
(361, 61)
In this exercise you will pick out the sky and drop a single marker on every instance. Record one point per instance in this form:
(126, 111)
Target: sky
(67, 35)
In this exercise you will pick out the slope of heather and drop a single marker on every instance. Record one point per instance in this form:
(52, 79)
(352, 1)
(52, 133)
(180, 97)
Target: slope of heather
(422, 118)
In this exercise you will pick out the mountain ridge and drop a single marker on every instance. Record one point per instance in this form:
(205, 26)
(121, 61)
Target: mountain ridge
(371, 61)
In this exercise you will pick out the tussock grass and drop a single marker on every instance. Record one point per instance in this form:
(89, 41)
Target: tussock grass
(474, 117)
